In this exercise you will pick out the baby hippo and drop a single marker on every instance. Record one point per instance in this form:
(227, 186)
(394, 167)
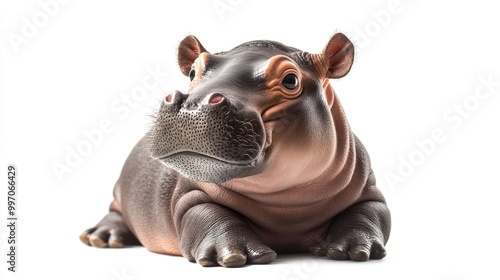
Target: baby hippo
(255, 158)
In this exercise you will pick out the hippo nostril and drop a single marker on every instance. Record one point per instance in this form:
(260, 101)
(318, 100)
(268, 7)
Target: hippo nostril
(169, 98)
(216, 99)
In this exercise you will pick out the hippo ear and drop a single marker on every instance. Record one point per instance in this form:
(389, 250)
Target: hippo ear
(338, 56)
(189, 49)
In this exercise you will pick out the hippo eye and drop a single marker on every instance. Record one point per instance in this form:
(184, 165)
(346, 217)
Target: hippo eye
(290, 81)
(192, 74)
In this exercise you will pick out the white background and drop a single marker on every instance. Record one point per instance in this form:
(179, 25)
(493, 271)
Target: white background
(416, 64)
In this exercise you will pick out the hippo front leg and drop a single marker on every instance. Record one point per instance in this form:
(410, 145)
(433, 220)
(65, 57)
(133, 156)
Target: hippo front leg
(358, 233)
(110, 232)
(211, 234)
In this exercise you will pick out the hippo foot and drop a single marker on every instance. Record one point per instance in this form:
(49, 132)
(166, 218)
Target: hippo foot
(233, 252)
(110, 232)
(359, 233)
(224, 239)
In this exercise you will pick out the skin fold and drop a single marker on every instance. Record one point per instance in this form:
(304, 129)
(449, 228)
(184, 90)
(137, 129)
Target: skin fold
(256, 158)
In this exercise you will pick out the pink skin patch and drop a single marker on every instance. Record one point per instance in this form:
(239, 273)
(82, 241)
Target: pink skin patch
(216, 99)
(169, 98)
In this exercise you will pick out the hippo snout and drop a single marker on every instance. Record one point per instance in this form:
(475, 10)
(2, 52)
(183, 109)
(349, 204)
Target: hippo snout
(207, 137)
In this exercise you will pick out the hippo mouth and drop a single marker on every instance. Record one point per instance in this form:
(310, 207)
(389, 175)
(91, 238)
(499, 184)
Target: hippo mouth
(209, 143)
(193, 154)
(207, 168)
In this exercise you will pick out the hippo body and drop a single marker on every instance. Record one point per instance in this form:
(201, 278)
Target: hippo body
(256, 158)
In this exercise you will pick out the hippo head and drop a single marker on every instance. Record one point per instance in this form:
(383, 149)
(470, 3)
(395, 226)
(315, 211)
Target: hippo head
(261, 107)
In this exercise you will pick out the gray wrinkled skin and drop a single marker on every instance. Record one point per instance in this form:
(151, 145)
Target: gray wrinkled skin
(207, 142)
